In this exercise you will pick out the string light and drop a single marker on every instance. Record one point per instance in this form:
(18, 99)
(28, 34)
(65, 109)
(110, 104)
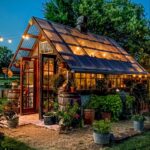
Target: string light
(9, 41)
(1, 39)
(25, 37)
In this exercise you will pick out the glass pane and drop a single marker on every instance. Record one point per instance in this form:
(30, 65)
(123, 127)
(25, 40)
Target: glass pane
(77, 50)
(44, 24)
(69, 39)
(44, 47)
(52, 36)
(61, 48)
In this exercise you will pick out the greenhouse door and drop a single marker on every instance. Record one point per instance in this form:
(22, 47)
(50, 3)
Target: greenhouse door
(47, 70)
(28, 92)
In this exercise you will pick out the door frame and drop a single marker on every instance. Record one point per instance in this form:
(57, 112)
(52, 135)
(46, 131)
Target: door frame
(28, 110)
(41, 58)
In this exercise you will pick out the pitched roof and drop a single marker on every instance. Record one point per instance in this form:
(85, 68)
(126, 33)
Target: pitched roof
(82, 52)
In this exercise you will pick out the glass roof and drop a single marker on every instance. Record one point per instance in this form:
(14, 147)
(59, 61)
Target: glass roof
(89, 52)
(83, 52)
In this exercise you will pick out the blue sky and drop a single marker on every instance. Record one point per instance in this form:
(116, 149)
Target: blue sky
(15, 15)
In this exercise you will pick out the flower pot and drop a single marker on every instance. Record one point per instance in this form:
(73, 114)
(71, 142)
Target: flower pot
(72, 89)
(101, 138)
(49, 120)
(138, 125)
(13, 123)
(106, 115)
(89, 116)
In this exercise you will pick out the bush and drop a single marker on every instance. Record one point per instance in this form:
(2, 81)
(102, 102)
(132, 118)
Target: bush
(109, 103)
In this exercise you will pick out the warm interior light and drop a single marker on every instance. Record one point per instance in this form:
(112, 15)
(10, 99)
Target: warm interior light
(140, 76)
(134, 75)
(78, 48)
(9, 41)
(104, 54)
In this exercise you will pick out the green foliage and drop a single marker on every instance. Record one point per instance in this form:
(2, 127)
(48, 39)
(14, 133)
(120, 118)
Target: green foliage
(129, 101)
(11, 144)
(57, 81)
(52, 114)
(102, 126)
(138, 117)
(114, 105)
(108, 103)
(3, 102)
(5, 57)
(122, 20)
(70, 116)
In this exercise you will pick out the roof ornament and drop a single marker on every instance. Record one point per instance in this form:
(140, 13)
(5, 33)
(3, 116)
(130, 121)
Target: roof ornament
(81, 24)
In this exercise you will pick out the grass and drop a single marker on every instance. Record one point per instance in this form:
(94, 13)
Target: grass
(8, 143)
(141, 142)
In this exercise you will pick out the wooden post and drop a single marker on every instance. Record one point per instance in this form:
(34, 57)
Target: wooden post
(41, 88)
(21, 86)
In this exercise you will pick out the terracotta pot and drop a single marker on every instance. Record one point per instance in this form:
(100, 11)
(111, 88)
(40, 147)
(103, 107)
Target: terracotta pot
(72, 89)
(89, 116)
(106, 115)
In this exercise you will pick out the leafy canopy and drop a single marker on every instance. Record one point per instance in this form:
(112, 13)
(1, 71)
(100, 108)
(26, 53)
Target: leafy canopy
(121, 20)
(5, 57)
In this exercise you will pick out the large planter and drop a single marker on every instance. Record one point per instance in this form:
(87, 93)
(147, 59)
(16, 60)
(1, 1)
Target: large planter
(49, 120)
(101, 138)
(13, 123)
(138, 125)
(89, 116)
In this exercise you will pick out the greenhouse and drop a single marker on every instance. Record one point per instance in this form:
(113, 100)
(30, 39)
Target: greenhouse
(94, 63)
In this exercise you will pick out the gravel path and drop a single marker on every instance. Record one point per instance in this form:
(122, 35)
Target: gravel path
(42, 138)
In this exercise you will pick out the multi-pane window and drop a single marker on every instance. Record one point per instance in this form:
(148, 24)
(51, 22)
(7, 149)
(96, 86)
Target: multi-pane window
(45, 48)
(87, 80)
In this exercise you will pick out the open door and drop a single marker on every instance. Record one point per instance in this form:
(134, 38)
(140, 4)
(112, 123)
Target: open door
(28, 79)
(47, 70)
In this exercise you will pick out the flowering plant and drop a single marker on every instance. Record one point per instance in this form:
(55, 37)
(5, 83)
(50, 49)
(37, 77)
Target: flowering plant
(70, 117)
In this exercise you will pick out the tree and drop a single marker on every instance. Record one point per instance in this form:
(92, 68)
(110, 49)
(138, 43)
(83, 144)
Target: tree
(121, 20)
(5, 57)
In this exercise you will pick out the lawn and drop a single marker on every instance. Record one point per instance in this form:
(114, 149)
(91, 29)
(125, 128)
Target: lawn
(141, 142)
(11, 144)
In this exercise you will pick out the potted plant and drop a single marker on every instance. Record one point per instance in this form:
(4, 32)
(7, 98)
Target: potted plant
(101, 132)
(138, 122)
(12, 118)
(50, 118)
(70, 117)
(72, 86)
(147, 116)
(89, 110)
